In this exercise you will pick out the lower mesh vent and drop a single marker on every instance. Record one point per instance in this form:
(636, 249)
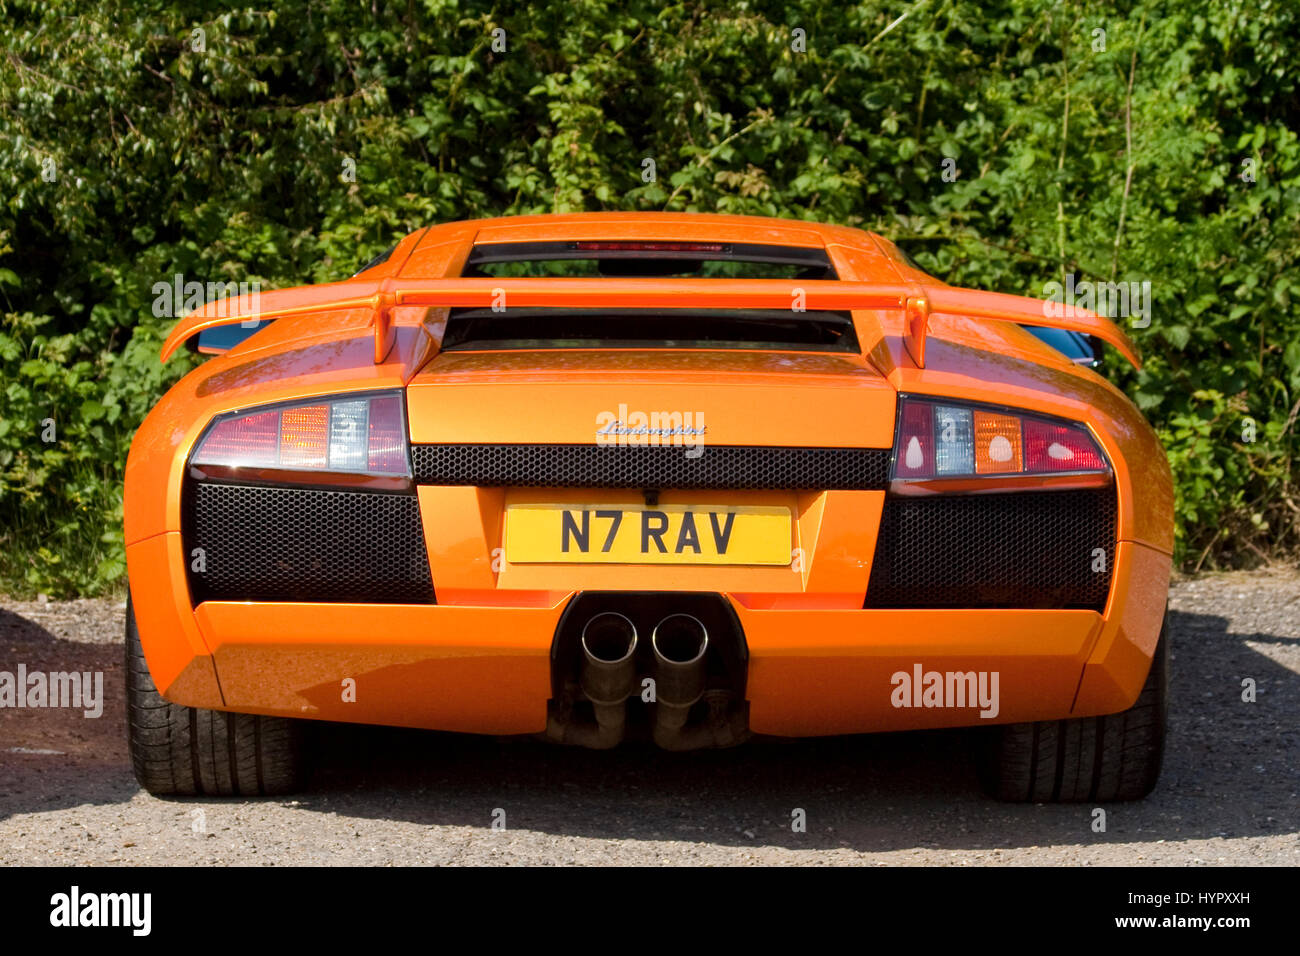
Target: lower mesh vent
(651, 466)
(1020, 550)
(291, 544)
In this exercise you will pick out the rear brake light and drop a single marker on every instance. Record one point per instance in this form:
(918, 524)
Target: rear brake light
(915, 453)
(365, 435)
(386, 445)
(1057, 448)
(713, 247)
(250, 439)
(938, 441)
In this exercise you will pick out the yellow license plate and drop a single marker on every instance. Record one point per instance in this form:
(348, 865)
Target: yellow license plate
(631, 534)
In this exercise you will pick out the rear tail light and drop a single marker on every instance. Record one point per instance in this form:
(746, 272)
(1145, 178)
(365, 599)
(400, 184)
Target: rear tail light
(354, 435)
(998, 445)
(954, 440)
(944, 446)
(252, 440)
(1052, 448)
(304, 437)
(386, 445)
(914, 457)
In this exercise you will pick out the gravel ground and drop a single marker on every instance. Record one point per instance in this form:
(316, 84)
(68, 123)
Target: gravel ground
(384, 797)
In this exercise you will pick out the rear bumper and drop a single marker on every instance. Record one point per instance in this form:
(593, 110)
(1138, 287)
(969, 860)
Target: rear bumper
(486, 669)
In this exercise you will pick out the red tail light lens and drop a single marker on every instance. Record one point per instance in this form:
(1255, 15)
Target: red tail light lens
(350, 434)
(940, 441)
(914, 457)
(1059, 448)
(386, 445)
(252, 440)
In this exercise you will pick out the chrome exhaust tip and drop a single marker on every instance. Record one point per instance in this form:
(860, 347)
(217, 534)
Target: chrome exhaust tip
(680, 639)
(609, 650)
(679, 642)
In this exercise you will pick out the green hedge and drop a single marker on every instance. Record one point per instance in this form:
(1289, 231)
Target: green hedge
(148, 139)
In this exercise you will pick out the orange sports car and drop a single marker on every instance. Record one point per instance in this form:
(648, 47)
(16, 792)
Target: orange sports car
(676, 477)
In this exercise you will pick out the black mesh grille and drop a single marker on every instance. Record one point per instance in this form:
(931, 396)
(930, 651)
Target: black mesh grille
(290, 544)
(651, 466)
(1019, 550)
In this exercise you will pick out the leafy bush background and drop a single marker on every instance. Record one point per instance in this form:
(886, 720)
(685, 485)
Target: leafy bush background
(226, 164)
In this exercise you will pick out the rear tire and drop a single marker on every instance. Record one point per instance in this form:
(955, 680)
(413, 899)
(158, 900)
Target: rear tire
(1093, 759)
(187, 751)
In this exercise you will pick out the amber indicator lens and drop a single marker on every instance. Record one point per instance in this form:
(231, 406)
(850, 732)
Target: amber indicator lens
(998, 447)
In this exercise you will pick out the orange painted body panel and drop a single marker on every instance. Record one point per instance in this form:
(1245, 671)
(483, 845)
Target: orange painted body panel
(169, 635)
(476, 396)
(478, 659)
(480, 670)
(815, 672)
(1120, 658)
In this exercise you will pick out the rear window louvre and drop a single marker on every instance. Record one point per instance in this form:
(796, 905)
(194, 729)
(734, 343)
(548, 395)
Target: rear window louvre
(636, 257)
(535, 328)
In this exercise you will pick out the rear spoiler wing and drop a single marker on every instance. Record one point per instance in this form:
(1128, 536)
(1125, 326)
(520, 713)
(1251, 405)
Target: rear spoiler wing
(917, 302)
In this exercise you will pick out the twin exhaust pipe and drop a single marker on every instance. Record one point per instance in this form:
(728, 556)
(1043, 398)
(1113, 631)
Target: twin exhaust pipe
(608, 677)
(679, 642)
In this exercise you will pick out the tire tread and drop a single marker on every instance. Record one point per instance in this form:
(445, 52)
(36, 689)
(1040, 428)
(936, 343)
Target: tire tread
(188, 751)
(1084, 759)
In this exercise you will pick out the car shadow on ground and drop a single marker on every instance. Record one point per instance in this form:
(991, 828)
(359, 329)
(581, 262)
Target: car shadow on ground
(1230, 770)
(54, 758)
